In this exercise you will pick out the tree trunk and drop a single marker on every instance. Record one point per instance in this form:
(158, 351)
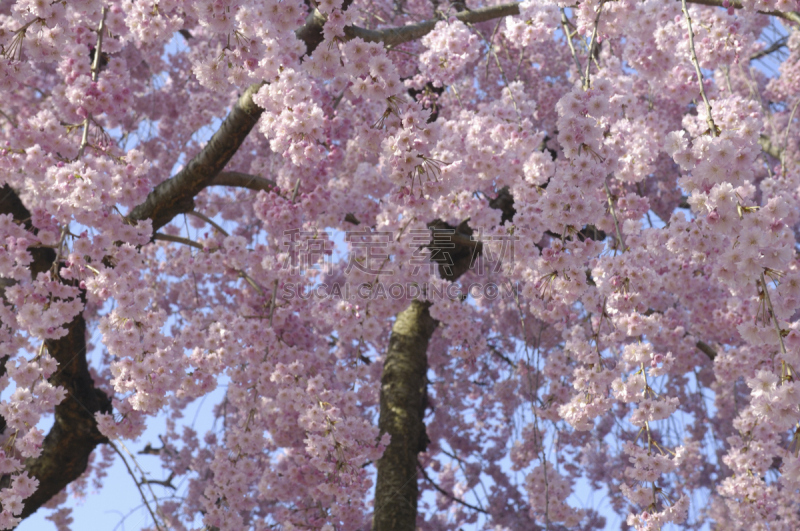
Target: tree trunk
(404, 380)
(403, 402)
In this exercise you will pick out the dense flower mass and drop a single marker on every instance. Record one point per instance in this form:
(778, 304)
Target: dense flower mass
(442, 266)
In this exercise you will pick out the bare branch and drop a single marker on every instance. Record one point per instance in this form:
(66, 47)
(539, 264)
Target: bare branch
(736, 4)
(411, 32)
(712, 127)
(149, 450)
(786, 136)
(774, 47)
(449, 495)
(95, 70)
(176, 239)
(620, 241)
(592, 44)
(163, 482)
(568, 36)
(243, 180)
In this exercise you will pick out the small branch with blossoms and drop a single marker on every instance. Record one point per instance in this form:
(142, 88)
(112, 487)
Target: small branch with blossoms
(612, 209)
(786, 369)
(13, 52)
(593, 41)
(712, 127)
(568, 37)
(95, 70)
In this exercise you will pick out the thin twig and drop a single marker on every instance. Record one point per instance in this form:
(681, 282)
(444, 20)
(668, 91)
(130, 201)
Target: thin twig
(177, 239)
(9, 118)
(447, 494)
(138, 486)
(614, 215)
(568, 35)
(163, 482)
(709, 120)
(786, 136)
(592, 44)
(772, 312)
(98, 51)
(502, 356)
(272, 302)
(208, 220)
(775, 46)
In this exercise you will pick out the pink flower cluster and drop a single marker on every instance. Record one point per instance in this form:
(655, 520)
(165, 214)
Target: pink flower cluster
(451, 47)
(628, 185)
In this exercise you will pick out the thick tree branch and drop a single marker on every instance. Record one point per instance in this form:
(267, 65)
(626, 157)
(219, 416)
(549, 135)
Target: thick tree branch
(311, 32)
(10, 203)
(176, 195)
(453, 248)
(399, 35)
(411, 32)
(74, 435)
(504, 202)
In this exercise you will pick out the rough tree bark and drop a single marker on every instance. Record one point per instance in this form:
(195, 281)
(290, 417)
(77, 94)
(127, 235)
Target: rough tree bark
(403, 388)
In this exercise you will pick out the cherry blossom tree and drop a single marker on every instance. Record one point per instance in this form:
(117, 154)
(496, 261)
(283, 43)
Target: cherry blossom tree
(570, 260)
